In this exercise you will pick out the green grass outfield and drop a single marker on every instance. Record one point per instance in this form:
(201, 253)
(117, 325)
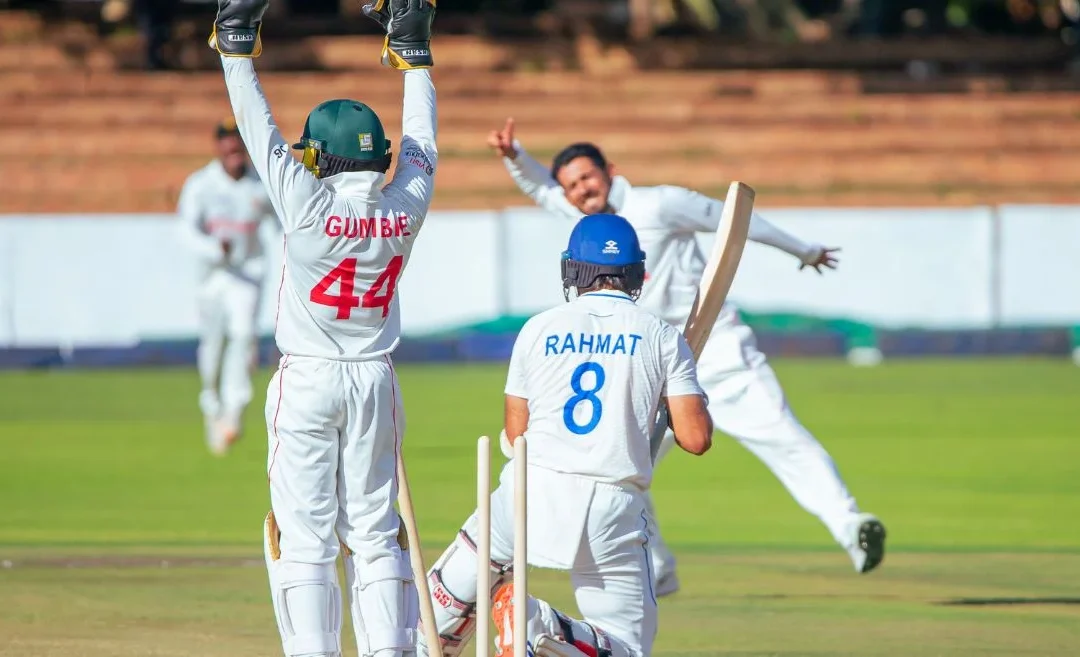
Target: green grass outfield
(120, 534)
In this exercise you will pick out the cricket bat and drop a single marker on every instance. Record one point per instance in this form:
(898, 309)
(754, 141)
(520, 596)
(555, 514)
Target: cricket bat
(715, 282)
(420, 578)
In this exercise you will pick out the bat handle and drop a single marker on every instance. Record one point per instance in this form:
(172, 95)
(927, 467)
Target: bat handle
(659, 429)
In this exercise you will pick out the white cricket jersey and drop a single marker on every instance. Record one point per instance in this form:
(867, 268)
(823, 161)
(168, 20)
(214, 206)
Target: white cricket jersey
(215, 209)
(594, 372)
(667, 220)
(347, 237)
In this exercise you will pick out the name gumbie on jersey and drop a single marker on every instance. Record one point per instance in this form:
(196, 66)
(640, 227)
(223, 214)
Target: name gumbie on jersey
(347, 237)
(594, 372)
(216, 209)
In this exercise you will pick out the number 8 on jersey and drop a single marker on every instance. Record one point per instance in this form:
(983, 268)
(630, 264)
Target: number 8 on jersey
(584, 397)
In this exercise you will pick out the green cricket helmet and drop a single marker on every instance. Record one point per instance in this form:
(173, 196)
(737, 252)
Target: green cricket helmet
(340, 134)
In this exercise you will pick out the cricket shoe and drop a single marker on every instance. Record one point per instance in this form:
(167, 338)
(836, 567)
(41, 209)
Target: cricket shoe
(229, 435)
(502, 613)
(215, 441)
(667, 584)
(869, 549)
(230, 428)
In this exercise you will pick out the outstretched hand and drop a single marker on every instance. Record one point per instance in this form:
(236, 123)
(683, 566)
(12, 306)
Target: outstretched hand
(823, 257)
(408, 31)
(502, 141)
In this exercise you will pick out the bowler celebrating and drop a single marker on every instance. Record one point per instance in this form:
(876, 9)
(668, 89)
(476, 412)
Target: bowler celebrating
(745, 397)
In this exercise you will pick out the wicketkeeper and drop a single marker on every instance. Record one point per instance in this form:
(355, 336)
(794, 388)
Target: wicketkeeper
(333, 411)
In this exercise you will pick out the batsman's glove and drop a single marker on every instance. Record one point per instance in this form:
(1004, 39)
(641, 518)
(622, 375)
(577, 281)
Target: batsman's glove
(237, 28)
(408, 31)
(505, 446)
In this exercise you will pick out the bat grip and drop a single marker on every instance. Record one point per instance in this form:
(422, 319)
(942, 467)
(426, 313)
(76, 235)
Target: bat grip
(659, 429)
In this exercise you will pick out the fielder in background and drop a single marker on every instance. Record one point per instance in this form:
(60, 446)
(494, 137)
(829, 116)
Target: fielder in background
(334, 413)
(228, 223)
(585, 382)
(745, 397)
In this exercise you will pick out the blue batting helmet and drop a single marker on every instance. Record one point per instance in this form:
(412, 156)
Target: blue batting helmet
(603, 245)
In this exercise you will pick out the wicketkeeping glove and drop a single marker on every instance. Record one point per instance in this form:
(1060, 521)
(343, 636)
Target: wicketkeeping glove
(237, 27)
(408, 31)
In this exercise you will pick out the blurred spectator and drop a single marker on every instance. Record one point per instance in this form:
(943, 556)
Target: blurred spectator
(154, 20)
(889, 18)
(761, 20)
(810, 20)
(517, 7)
(705, 13)
(314, 7)
(1070, 31)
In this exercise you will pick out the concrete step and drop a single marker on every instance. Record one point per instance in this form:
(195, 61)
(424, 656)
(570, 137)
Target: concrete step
(18, 26)
(988, 52)
(537, 114)
(721, 141)
(706, 84)
(815, 170)
(122, 175)
(620, 142)
(711, 86)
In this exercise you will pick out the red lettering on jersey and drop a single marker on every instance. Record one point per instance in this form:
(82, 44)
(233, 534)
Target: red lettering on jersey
(353, 228)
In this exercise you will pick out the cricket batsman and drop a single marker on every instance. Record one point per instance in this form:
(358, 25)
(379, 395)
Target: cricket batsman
(334, 414)
(585, 382)
(745, 397)
(228, 222)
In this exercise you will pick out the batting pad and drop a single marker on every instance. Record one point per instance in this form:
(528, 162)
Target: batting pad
(383, 602)
(306, 599)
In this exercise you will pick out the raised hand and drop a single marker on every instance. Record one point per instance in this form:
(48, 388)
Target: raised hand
(502, 141)
(237, 28)
(408, 31)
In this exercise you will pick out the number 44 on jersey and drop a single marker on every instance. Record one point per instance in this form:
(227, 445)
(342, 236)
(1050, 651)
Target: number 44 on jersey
(379, 295)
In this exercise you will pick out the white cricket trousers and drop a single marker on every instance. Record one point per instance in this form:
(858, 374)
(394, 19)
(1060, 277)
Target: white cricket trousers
(747, 403)
(595, 531)
(228, 304)
(334, 430)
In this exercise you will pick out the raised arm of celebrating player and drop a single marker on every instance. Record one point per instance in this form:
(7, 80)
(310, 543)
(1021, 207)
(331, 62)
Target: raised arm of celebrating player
(532, 178)
(293, 190)
(696, 212)
(414, 180)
